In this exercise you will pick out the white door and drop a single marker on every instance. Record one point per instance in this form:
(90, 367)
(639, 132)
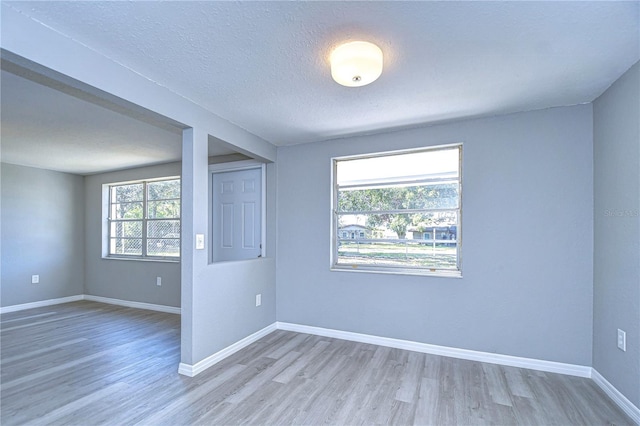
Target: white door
(236, 218)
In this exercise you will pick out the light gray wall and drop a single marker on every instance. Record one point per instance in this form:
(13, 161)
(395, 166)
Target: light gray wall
(42, 234)
(527, 252)
(125, 279)
(617, 233)
(225, 292)
(224, 304)
(219, 298)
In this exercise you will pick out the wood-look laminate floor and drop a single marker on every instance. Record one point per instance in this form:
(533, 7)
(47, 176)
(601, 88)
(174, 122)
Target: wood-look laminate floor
(86, 363)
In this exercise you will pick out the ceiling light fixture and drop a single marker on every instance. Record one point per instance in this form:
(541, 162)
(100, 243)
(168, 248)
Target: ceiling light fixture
(357, 63)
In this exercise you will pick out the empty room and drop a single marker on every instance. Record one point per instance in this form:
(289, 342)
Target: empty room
(373, 212)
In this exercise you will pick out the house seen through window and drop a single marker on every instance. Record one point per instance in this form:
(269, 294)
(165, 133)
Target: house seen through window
(144, 219)
(398, 212)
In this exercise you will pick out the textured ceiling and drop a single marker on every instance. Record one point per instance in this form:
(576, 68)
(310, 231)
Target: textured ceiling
(263, 65)
(45, 128)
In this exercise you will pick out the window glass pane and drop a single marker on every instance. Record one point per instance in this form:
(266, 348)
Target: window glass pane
(127, 210)
(427, 196)
(125, 246)
(399, 239)
(126, 193)
(399, 226)
(164, 190)
(163, 247)
(408, 253)
(128, 229)
(163, 228)
(157, 230)
(162, 209)
(398, 211)
(440, 164)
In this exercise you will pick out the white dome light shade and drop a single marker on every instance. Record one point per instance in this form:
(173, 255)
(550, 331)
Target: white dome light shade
(356, 63)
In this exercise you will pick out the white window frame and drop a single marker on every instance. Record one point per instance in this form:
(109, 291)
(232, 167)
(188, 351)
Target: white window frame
(107, 220)
(383, 269)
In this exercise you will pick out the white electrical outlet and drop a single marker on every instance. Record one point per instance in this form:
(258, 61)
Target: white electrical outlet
(258, 299)
(35, 279)
(622, 340)
(158, 281)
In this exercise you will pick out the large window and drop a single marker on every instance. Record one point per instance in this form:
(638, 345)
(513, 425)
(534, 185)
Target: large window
(144, 219)
(398, 212)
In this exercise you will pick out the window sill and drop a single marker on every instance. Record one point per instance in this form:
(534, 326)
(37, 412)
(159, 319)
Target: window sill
(251, 259)
(142, 259)
(396, 271)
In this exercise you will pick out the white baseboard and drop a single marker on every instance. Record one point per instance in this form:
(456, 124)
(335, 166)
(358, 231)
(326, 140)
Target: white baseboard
(127, 303)
(617, 397)
(131, 304)
(513, 361)
(49, 302)
(192, 370)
